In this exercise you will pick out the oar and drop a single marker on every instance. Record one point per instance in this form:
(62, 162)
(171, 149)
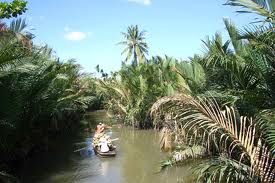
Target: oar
(81, 149)
(114, 139)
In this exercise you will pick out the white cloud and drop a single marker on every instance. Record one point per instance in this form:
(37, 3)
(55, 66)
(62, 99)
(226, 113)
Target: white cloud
(75, 36)
(144, 2)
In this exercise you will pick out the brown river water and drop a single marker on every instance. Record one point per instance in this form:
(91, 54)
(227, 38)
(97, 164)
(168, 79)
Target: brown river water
(137, 161)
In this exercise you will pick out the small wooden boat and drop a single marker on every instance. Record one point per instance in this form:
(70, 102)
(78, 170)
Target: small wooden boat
(110, 153)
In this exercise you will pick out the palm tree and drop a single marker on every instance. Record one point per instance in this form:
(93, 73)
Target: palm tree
(15, 44)
(51, 90)
(237, 147)
(135, 45)
(135, 88)
(263, 8)
(39, 94)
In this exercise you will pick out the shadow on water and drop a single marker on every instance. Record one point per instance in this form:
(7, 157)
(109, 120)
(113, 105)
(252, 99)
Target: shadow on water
(137, 161)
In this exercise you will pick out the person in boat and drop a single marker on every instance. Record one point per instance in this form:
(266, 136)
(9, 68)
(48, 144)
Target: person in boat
(104, 145)
(102, 140)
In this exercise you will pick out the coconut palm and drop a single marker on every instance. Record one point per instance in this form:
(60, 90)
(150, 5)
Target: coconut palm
(135, 45)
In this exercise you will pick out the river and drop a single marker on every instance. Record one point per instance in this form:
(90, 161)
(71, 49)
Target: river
(137, 161)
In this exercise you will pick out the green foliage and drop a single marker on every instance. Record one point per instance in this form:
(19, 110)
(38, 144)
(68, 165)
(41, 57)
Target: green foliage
(221, 132)
(193, 74)
(12, 9)
(41, 97)
(224, 169)
(265, 124)
(237, 72)
(132, 90)
(200, 104)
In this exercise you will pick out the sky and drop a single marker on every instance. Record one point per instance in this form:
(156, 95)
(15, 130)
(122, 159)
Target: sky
(89, 30)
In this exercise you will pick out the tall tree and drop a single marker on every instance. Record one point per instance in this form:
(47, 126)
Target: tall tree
(135, 45)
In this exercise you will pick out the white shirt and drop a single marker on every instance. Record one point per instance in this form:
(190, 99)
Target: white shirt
(104, 146)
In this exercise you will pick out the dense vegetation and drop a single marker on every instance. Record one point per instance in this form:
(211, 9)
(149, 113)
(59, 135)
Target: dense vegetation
(41, 97)
(218, 105)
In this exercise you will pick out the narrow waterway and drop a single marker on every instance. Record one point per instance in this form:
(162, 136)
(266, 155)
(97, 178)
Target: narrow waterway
(138, 159)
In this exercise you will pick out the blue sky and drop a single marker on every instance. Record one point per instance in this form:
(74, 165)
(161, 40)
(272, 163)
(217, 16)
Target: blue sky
(88, 30)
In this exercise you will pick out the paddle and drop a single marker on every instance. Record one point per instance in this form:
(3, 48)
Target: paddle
(81, 149)
(114, 139)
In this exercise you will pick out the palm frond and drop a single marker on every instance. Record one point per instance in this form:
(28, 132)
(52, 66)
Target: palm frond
(186, 153)
(261, 7)
(224, 129)
(224, 169)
